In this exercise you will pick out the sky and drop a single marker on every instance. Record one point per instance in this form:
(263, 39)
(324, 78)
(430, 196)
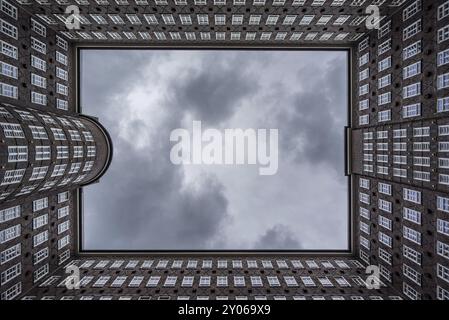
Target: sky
(145, 202)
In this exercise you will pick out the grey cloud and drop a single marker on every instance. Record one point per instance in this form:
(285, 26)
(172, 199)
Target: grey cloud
(214, 91)
(278, 236)
(156, 214)
(115, 71)
(314, 118)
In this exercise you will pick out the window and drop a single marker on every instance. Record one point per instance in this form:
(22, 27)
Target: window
(12, 292)
(63, 196)
(187, 281)
(8, 29)
(384, 188)
(443, 81)
(411, 274)
(384, 64)
(40, 204)
(118, 282)
(9, 214)
(384, 115)
(385, 239)
(411, 254)
(88, 136)
(443, 249)
(40, 238)
(12, 177)
(62, 152)
(8, 50)
(412, 30)
(412, 110)
(385, 205)
(17, 153)
(10, 233)
(88, 166)
(58, 134)
(10, 253)
(443, 10)
(38, 28)
(411, 10)
(308, 282)
(222, 281)
(8, 90)
(78, 151)
(38, 133)
(412, 196)
(239, 281)
(256, 281)
(11, 273)
(414, 90)
(63, 227)
(443, 34)
(43, 152)
(63, 212)
(412, 50)
(12, 130)
(8, 70)
(58, 170)
(412, 235)
(40, 221)
(204, 281)
(9, 9)
(443, 204)
(443, 57)
(411, 70)
(39, 46)
(412, 215)
(443, 227)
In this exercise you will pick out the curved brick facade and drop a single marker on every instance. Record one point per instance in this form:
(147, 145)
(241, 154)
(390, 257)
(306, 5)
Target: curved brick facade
(46, 151)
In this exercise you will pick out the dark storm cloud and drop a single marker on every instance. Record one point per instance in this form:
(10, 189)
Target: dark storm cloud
(314, 116)
(215, 90)
(157, 213)
(278, 236)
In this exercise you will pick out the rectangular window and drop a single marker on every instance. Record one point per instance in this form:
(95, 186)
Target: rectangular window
(12, 177)
(43, 152)
(17, 153)
(8, 29)
(8, 70)
(38, 173)
(10, 253)
(8, 90)
(412, 195)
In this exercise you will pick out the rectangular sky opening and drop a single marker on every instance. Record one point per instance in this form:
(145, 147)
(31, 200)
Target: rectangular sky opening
(218, 150)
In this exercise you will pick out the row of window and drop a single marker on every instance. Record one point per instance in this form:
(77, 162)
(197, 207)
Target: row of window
(218, 19)
(207, 36)
(39, 173)
(443, 130)
(218, 281)
(314, 3)
(15, 130)
(208, 264)
(257, 297)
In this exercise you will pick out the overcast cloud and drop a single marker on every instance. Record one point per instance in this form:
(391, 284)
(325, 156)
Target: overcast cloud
(145, 202)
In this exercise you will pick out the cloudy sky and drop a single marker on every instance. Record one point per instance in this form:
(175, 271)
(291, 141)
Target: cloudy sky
(145, 202)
